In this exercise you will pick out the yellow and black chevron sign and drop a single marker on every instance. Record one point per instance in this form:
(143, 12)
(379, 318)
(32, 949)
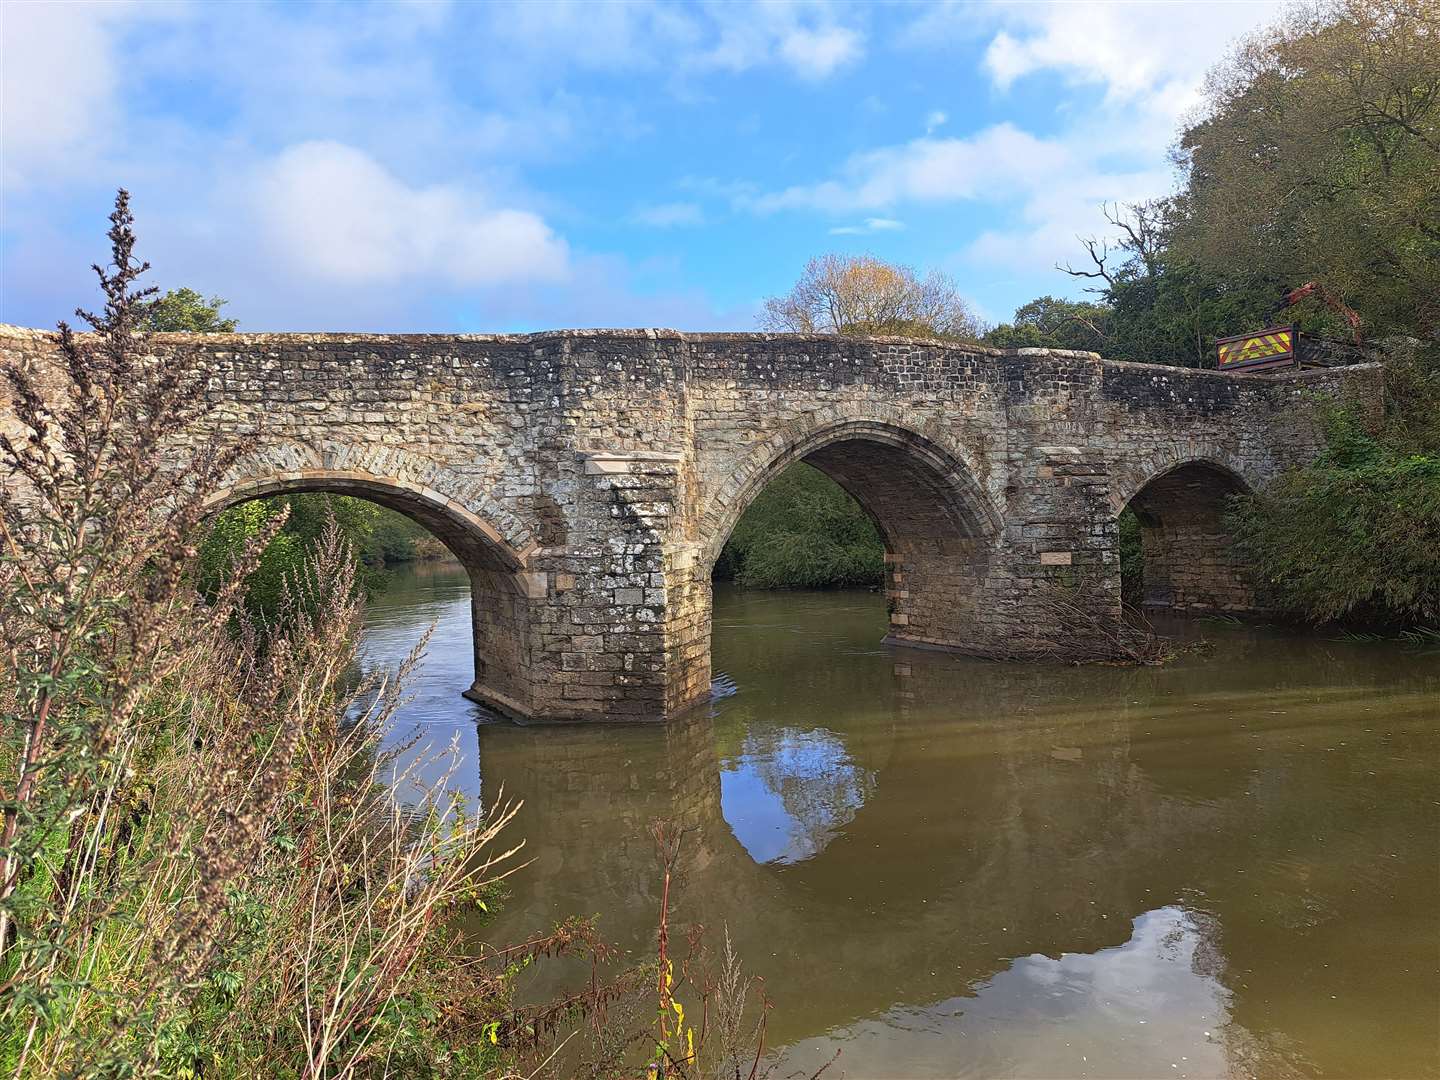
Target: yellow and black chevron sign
(1263, 346)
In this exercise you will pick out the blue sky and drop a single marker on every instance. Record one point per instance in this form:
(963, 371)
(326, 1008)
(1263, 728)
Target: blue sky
(495, 166)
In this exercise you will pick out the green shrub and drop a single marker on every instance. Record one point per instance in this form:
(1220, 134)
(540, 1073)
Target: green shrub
(1344, 539)
(378, 536)
(804, 531)
(1357, 534)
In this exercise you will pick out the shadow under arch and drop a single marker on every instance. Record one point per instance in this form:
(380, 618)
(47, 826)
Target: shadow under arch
(908, 484)
(499, 598)
(1190, 562)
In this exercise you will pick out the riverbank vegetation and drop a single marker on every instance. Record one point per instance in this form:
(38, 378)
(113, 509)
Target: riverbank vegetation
(804, 531)
(204, 872)
(1355, 536)
(378, 538)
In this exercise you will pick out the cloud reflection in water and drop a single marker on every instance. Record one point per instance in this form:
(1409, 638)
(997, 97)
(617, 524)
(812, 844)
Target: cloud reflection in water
(790, 792)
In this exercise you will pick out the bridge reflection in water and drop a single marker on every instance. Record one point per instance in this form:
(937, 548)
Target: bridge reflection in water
(948, 867)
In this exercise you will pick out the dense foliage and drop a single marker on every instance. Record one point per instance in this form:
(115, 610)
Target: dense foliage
(804, 531)
(1356, 535)
(185, 310)
(376, 536)
(1048, 323)
(1316, 158)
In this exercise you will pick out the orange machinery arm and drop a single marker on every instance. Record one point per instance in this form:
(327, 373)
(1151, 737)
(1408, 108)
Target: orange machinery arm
(1333, 302)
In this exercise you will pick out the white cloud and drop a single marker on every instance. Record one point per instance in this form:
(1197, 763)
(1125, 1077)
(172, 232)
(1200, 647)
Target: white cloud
(1130, 49)
(45, 111)
(58, 84)
(1150, 59)
(803, 35)
(870, 225)
(1043, 191)
(1043, 231)
(815, 54)
(332, 212)
(669, 215)
(682, 40)
(992, 163)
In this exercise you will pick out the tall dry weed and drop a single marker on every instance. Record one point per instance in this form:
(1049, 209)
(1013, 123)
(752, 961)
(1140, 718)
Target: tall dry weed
(202, 869)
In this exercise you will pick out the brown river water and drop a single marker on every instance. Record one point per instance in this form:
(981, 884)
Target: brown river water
(944, 867)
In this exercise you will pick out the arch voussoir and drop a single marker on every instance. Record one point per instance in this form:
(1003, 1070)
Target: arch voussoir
(468, 521)
(1131, 476)
(950, 472)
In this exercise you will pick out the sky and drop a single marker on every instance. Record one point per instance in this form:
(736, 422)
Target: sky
(433, 166)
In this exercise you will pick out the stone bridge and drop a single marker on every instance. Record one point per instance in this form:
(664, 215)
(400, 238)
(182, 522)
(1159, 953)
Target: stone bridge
(589, 479)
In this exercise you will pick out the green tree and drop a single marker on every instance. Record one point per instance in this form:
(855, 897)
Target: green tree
(1318, 158)
(804, 531)
(1159, 306)
(1048, 323)
(185, 310)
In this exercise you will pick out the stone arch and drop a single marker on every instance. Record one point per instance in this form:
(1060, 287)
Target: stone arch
(390, 472)
(928, 479)
(1189, 559)
(495, 550)
(1128, 478)
(941, 530)
(469, 537)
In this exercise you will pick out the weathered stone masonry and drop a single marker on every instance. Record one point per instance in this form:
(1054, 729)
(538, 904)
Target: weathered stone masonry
(588, 480)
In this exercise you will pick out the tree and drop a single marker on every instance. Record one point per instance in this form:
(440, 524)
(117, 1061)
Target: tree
(804, 531)
(861, 294)
(1048, 323)
(1319, 159)
(1158, 305)
(186, 311)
